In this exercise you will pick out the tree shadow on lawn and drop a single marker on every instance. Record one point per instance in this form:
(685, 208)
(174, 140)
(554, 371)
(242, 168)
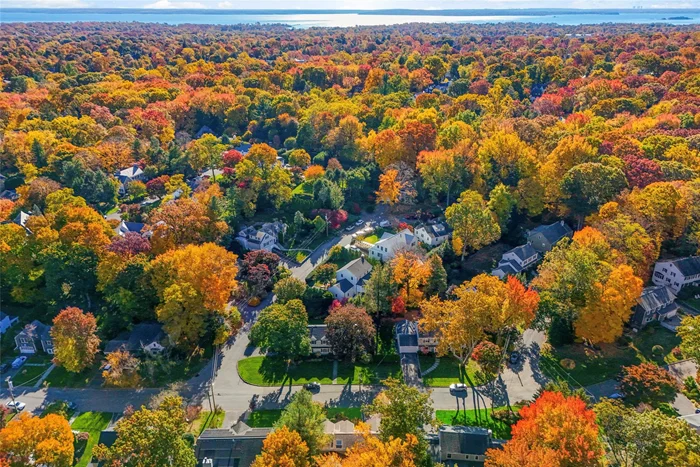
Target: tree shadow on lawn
(275, 370)
(354, 398)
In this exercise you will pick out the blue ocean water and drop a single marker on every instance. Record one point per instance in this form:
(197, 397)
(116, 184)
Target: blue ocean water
(328, 19)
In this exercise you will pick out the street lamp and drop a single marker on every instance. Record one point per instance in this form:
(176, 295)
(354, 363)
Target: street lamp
(11, 386)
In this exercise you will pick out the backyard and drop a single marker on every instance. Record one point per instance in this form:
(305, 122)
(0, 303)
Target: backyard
(482, 418)
(449, 371)
(205, 420)
(61, 378)
(92, 423)
(587, 366)
(270, 371)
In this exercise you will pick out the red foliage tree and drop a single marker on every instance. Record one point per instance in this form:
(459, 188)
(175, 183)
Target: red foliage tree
(641, 172)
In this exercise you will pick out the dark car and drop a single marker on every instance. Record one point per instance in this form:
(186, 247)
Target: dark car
(313, 386)
(4, 367)
(514, 357)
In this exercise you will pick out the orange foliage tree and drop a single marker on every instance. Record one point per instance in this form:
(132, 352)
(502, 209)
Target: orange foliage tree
(554, 431)
(283, 448)
(29, 440)
(75, 339)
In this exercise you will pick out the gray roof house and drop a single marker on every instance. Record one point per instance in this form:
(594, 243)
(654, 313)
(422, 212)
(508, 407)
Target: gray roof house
(389, 244)
(235, 447)
(677, 273)
(262, 238)
(125, 227)
(463, 446)
(34, 335)
(516, 260)
(343, 434)
(351, 278)
(149, 337)
(544, 237)
(128, 175)
(433, 235)
(319, 342)
(410, 339)
(657, 303)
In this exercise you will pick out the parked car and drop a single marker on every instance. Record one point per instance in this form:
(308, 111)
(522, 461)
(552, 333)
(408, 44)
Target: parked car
(458, 389)
(16, 405)
(616, 396)
(349, 228)
(4, 367)
(359, 222)
(514, 357)
(385, 224)
(313, 386)
(18, 362)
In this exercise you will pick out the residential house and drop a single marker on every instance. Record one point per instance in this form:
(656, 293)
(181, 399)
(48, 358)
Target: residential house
(343, 434)
(544, 237)
(243, 148)
(34, 336)
(234, 447)
(657, 303)
(6, 321)
(351, 278)
(410, 339)
(9, 194)
(263, 238)
(433, 235)
(389, 244)
(677, 273)
(128, 175)
(516, 260)
(125, 227)
(319, 341)
(21, 220)
(147, 337)
(462, 446)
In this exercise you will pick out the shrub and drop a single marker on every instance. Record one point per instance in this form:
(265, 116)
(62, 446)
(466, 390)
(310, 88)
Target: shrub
(255, 301)
(567, 363)
(677, 353)
(657, 350)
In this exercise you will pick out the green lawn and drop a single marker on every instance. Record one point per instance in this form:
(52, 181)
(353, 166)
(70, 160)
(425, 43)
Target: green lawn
(268, 417)
(207, 419)
(93, 423)
(270, 371)
(62, 378)
(29, 375)
(595, 366)
(449, 372)
(375, 372)
(482, 418)
(306, 188)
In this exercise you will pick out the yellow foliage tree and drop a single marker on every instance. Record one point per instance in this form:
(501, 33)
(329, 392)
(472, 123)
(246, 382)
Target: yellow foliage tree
(283, 448)
(29, 440)
(389, 187)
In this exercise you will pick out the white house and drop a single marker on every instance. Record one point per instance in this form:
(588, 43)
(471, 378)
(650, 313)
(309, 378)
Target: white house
(128, 175)
(343, 434)
(389, 244)
(516, 260)
(677, 273)
(6, 322)
(319, 342)
(410, 339)
(433, 235)
(147, 337)
(351, 278)
(263, 238)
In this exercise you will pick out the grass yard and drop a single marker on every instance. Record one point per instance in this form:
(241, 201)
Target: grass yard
(449, 372)
(482, 418)
(28, 375)
(93, 423)
(270, 371)
(306, 188)
(160, 371)
(595, 366)
(62, 378)
(375, 372)
(207, 419)
(267, 417)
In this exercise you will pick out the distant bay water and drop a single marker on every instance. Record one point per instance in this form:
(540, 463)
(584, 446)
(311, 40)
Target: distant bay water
(329, 18)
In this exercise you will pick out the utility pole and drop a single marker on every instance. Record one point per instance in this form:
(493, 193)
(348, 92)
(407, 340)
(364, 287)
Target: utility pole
(11, 386)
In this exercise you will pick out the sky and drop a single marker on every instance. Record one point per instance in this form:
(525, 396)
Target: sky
(350, 4)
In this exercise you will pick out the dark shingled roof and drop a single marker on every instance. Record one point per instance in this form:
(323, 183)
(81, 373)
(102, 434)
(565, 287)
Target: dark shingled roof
(344, 285)
(235, 447)
(141, 334)
(688, 266)
(553, 232)
(464, 440)
(654, 297)
(407, 333)
(523, 251)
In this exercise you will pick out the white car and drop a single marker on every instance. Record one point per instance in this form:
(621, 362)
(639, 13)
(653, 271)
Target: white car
(385, 224)
(359, 222)
(16, 405)
(458, 388)
(18, 362)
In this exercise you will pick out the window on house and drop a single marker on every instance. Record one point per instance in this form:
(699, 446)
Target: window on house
(339, 444)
